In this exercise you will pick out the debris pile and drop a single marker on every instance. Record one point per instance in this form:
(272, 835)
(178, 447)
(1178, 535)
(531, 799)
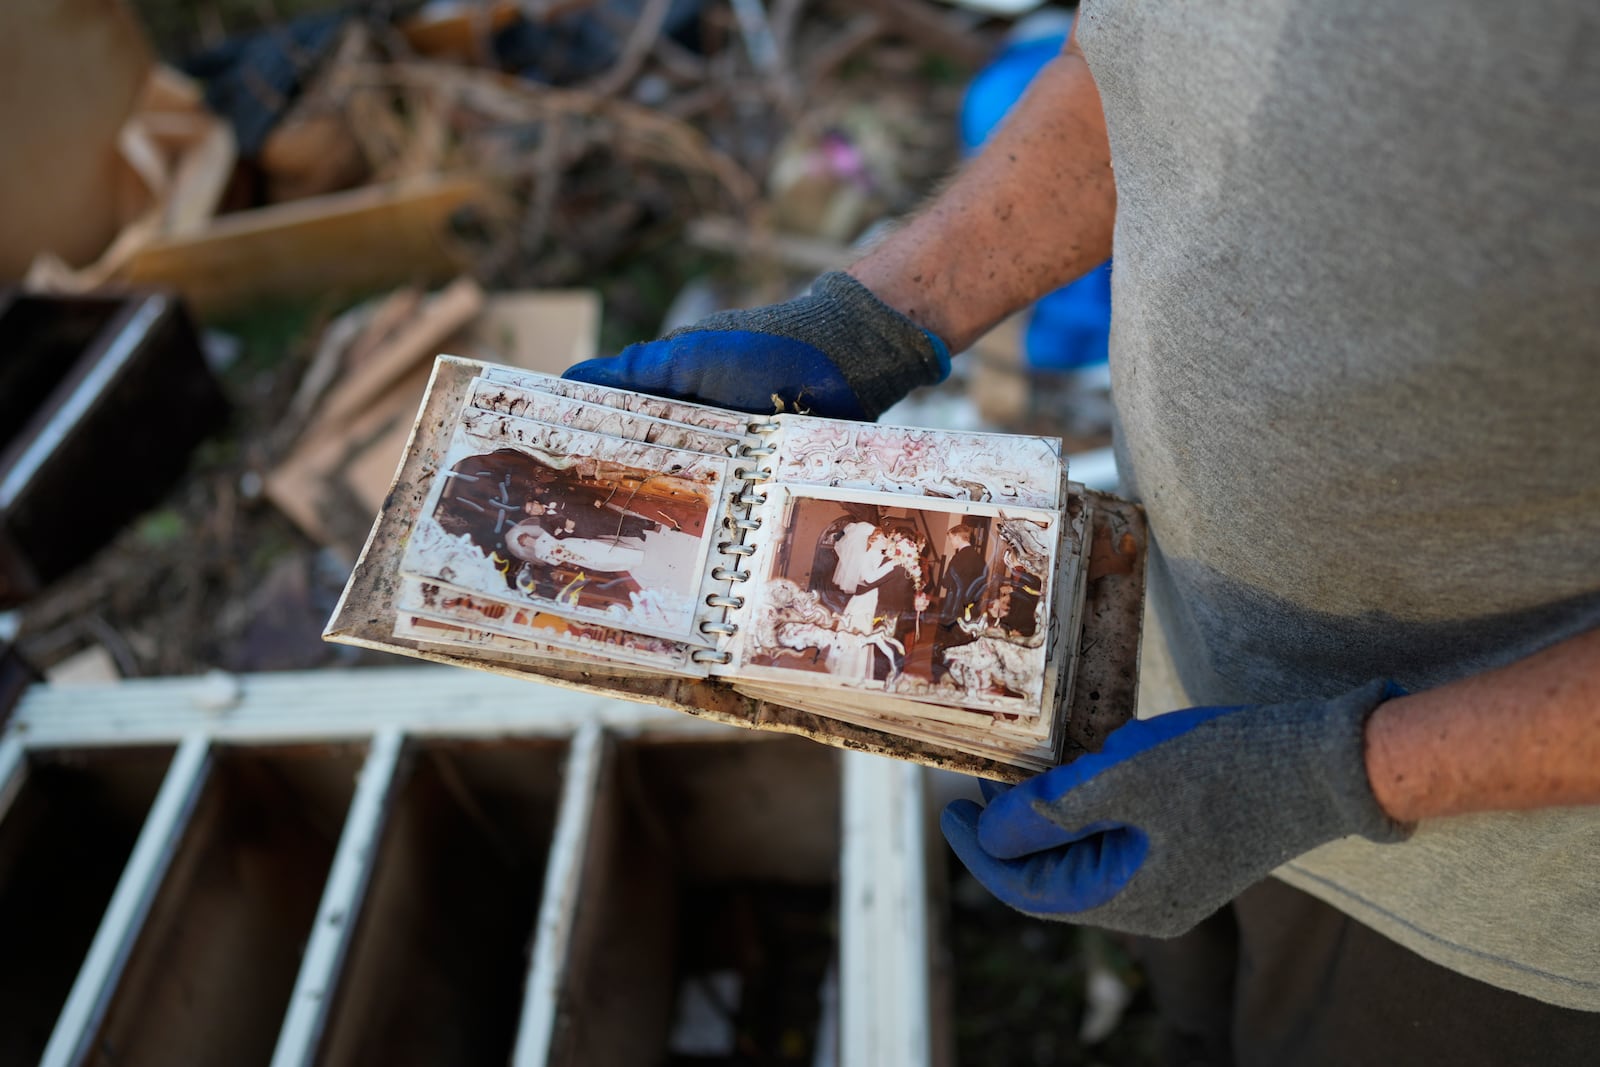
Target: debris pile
(337, 196)
(526, 144)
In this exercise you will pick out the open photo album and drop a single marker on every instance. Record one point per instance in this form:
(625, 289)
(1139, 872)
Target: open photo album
(936, 595)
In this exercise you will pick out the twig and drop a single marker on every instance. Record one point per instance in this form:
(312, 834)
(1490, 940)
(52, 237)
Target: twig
(644, 35)
(546, 183)
(806, 254)
(678, 61)
(114, 643)
(686, 106)
(646, 133)
(785, 15)
(858, 32)
(922, 23)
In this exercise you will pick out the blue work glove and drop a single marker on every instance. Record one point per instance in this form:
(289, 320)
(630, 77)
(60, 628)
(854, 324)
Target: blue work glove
(838, 351)
(1177, 814)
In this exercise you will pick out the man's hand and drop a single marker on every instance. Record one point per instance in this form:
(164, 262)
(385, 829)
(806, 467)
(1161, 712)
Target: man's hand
(838, 352)
(1177, 814)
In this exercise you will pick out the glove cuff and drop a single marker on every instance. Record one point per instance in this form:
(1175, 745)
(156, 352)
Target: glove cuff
(1345, 747)
(878, 353)
(881, 353)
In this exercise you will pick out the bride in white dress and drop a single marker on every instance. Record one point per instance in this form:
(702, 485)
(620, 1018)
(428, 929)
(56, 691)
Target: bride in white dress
(531, 542)
(862, 561)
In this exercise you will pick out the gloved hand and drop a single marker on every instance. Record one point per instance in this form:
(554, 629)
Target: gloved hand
(1176, 815)
(839, 352)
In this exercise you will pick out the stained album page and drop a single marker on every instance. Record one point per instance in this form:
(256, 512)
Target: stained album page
(709, 418)
(987, 742)
(914, 598)
(507, 398)
(1008, 469)
(581, 525)
(448, 605)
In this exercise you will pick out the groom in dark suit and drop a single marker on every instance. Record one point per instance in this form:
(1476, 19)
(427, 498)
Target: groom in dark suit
(960, 596)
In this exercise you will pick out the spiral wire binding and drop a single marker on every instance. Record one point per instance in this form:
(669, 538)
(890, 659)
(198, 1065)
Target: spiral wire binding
(738, 547)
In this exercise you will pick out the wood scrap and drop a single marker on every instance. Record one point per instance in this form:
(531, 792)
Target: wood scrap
(419, 339)
(375, 396)
(369, 471)
(200, 179)
(392, 312)
(326, 361)
(73, 72)
(313, 486)
(339, 470)
(364, 239)
(174, 160)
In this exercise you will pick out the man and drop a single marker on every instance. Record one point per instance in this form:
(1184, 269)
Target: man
(577, 510)
(960, 596)
(1354, 340)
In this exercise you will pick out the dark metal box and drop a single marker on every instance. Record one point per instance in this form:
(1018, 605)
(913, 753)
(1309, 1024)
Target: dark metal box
(102, 399)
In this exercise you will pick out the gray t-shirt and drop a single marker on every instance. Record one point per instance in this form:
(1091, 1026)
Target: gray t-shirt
(1355, 355)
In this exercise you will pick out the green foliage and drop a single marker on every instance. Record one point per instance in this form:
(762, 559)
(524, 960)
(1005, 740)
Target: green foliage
(160, 528)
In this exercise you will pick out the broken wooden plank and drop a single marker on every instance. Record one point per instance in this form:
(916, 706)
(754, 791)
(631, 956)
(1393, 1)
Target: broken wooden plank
(136, 891)
(415, 342)
(368, 238)
(340, 470)
(373, 397)
(314, 484)
(73, 72)
(563, 893)
(342, 896)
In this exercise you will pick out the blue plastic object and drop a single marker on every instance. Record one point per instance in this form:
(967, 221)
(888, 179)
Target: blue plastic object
(1070, 327)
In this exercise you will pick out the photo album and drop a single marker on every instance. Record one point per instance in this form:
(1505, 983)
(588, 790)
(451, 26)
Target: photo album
(946, 597)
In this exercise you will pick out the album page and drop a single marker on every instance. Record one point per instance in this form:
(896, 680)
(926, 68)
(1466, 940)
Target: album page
(526, 629)
(591, 527)
(918, 598)
(1010, 469)
(1041, 732)
(736, 423)
(529, 399)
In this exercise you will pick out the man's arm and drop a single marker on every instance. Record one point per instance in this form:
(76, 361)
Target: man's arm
(1176, 814)
(1523, 736)
(1033, 211)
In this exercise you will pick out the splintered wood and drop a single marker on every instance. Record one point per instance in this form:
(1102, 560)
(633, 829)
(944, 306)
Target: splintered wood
(342, 462)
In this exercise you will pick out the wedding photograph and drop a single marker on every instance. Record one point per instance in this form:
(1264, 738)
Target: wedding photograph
(911, 597)
(613, 534)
